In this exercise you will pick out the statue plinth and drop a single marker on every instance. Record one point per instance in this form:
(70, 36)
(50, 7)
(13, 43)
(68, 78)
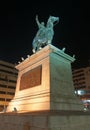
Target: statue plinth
(45, 83)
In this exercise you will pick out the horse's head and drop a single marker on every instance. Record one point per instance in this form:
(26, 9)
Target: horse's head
(54, 19)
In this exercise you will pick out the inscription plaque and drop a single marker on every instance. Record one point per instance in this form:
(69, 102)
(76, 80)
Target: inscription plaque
(31, 78)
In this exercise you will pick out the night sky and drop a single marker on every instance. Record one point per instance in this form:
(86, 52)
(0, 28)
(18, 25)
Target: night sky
(18, 28)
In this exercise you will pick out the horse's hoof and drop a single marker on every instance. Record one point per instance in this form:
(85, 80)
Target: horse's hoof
(33, 50)
(40, 48)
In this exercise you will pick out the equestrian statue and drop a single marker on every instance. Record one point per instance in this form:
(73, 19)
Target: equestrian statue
(44, 35)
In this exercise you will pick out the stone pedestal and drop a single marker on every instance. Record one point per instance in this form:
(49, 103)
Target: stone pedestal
(44, 97)
(45, 83)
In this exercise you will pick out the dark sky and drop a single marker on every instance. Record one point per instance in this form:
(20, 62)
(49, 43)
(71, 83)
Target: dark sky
(18, 28)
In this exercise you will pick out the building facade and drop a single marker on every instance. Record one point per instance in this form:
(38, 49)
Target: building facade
(8, 79)
(81, 80)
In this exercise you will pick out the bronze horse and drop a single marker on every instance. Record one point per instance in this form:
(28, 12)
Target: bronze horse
(44, 35)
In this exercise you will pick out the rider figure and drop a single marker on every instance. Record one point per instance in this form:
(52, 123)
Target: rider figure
(41, 27)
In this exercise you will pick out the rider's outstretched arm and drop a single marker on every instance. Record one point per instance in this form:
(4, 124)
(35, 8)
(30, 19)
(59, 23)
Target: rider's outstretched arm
(37, 21)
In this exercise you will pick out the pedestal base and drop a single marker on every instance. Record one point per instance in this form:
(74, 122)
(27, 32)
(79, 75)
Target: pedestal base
(46, 120)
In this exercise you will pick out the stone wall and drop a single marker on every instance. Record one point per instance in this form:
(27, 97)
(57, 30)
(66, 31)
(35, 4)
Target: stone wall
(63, 120)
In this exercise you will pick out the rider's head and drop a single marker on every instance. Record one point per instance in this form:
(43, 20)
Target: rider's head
(43, 23)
